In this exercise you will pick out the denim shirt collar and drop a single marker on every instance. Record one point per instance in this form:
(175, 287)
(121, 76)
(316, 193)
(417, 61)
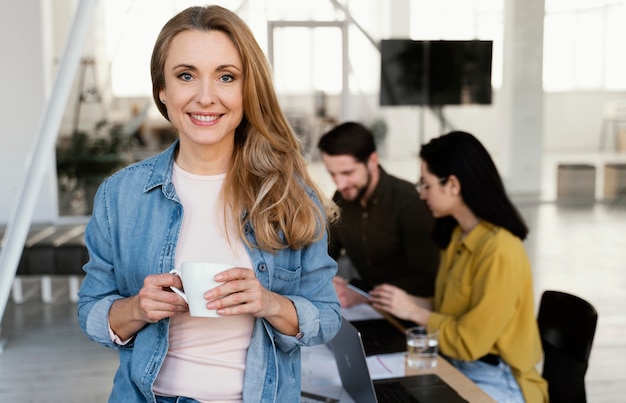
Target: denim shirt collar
(161, 174)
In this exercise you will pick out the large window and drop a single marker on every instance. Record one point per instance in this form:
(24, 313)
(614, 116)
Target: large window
(583, 40)
(584, 45)
(308, 59)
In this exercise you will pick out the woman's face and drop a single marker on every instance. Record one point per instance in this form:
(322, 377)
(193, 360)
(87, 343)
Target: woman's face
(204, 89)
(438, 196)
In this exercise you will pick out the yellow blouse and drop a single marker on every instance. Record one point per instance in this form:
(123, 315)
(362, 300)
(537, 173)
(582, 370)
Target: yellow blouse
(484, 304)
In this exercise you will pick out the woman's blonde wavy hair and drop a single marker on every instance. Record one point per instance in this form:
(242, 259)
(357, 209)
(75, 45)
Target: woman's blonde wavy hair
(267, 182)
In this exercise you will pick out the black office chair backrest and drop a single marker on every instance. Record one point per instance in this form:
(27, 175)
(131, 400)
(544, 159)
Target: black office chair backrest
(567, 325)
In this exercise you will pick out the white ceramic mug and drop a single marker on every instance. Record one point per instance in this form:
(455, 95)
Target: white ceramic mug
(197, 278)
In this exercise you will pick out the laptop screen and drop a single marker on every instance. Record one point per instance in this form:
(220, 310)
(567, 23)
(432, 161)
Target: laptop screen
(347, 348)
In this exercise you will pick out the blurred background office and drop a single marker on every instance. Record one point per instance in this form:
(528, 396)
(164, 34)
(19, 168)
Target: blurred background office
(557, 74)
(555, 121)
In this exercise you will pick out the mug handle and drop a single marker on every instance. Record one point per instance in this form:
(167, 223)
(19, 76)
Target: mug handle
(178, 290)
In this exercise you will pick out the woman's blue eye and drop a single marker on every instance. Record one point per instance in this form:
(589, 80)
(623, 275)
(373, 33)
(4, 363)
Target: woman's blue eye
(186, 76)
(227, 78)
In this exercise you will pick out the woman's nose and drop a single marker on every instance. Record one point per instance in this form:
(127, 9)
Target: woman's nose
(205, 94)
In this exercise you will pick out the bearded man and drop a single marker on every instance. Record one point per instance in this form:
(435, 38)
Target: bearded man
(384, 229)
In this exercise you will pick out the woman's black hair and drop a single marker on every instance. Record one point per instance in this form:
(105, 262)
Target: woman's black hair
(462, 155)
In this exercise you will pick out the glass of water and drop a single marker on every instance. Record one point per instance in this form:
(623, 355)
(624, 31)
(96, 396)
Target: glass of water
(422, 347)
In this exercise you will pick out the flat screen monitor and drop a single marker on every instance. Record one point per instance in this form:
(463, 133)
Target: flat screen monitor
(435, 73)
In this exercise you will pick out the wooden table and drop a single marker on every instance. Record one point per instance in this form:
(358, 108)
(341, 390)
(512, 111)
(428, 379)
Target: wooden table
(323, 356)
(452, 376)
(449, 374)
(456, 379)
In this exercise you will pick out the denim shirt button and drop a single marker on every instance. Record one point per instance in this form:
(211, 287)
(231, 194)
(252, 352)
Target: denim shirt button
(262, 267)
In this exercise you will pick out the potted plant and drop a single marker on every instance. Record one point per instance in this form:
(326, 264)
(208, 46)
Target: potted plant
(85, 159)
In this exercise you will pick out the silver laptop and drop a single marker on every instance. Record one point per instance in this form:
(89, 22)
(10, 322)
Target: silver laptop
(347, 347)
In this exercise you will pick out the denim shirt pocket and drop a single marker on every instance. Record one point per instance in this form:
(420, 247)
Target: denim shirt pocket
(286, 281)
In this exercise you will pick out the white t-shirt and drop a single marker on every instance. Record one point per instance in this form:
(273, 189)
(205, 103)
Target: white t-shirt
(206, 356)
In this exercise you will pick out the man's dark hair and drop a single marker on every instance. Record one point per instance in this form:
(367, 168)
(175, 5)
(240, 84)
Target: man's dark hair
(349, 138)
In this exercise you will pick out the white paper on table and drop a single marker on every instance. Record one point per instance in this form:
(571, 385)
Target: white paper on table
(360, 312)
(318, 368)
(382, 366)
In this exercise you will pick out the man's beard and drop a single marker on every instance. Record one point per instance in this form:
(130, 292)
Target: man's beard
(363, 189)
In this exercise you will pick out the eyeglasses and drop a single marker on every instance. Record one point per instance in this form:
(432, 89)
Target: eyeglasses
(422, 186)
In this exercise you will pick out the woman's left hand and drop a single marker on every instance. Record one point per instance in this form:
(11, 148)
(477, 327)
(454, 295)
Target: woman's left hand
(397, 302)
(240, 293)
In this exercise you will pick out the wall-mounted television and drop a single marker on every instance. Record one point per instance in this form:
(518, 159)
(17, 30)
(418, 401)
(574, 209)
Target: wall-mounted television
(435, 73)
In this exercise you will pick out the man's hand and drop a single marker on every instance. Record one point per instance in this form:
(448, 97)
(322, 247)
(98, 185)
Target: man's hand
(347, 297)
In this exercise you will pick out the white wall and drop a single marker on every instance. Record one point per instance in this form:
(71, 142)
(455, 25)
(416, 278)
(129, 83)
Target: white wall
(574, 119)
(25, 87)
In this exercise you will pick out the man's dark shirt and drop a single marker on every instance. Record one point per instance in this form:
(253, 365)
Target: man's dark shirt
(388, 241)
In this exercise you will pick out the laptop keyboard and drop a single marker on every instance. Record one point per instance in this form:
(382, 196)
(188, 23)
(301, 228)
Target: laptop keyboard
(393, 392)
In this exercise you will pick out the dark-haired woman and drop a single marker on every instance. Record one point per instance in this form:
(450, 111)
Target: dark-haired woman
(483, 306)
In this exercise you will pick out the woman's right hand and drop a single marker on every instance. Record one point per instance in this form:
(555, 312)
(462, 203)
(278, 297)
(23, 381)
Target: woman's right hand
(399, 303)
(155, 301)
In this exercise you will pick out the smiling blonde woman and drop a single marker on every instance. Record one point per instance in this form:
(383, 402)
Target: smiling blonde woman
(233, 188)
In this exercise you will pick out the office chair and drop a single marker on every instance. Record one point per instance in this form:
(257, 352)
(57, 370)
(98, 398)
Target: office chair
(567, 326)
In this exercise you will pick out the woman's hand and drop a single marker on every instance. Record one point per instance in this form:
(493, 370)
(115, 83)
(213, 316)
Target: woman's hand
(155, 301)
(242, 293)
(397, 302)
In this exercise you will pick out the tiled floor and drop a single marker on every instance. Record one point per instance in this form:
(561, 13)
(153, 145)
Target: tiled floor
(579, 249)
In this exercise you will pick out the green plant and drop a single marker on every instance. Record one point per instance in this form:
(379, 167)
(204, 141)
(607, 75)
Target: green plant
(93, 154)
(84, 160)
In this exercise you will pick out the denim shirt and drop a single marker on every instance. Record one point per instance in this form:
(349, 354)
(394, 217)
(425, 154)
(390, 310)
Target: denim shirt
(133, 233)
